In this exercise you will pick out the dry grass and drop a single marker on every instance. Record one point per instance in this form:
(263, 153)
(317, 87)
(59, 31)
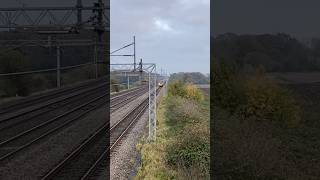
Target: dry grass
(182, 147)
(153, 154)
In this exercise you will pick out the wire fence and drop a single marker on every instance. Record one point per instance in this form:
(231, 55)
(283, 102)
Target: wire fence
(28, 82)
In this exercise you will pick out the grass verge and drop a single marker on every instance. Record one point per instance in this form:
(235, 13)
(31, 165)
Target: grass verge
(182, 148)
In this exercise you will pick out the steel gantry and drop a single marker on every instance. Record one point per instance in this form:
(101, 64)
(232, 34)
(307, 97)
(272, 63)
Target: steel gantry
(62, 18)
(53, 21)
(133, 70)
(152, 76)
(145, 71)
(128, 55)
(150, 70)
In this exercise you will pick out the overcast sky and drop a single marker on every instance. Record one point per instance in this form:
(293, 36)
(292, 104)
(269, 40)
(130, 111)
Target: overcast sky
(296, 17)
(174, 34)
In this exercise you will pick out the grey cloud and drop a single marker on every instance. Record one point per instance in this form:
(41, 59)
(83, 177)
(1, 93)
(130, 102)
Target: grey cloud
(185, 48)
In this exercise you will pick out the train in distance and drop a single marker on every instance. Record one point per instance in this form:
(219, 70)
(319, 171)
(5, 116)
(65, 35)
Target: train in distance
(161, 83)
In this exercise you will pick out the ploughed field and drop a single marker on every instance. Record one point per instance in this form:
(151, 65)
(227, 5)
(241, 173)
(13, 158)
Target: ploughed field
(264, 150)
(306, 89)
(303, 142)
(308, 94)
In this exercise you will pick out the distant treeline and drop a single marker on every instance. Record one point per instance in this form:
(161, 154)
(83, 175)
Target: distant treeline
(119, 83)
(41, 57)
(190, 77)
(274, 52)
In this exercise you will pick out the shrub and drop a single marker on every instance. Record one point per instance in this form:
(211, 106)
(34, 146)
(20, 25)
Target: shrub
(267, 101)
(39, 82)
(188, 91)
(176, 88)
(193, 93)
(189, 153)
(181, 111)
(77, 74)
(254, 97)
(191, 149)
(11, 62)
(227, 90)
(114, 85)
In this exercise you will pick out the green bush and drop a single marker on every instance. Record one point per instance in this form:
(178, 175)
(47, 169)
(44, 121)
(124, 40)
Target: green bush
(190, 154)
(192, 148)
(114, 85)
(11, 62)
(181, 110)
(193, 93)
(77, 74)
(39, 82)
(188, 91)
(254, 96)
(176, 88)
(267, 101)
(228, 91)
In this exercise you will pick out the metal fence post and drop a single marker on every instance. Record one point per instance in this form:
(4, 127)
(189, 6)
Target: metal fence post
(94, 57)
(96, 49)
(128, 81)
(152, 103)
(149, 117)
(155, 104)
(58, 66)
(134, 53)
(167, 86)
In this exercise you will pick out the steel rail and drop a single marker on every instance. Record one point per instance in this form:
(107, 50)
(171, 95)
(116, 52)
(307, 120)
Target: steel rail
(127, 97)
(19, 125)
(32, 118)
(44, 124)
(46, 104)
(65, 123)
(98, 164)
(119, 104)
(87, 144)
(5, 108)
(102, 157)
(124, 93)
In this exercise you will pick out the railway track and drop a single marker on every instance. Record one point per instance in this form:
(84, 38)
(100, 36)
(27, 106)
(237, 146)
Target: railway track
(50, 104)
(119, 102)
(18, 122)
(40, 98)
(84, 162)
(26, 138)
(92, 157)
(30, 136)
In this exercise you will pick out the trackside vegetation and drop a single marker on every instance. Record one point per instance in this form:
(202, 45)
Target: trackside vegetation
(261, 128)
(24, 85)
(254, 96)
(182, 147)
